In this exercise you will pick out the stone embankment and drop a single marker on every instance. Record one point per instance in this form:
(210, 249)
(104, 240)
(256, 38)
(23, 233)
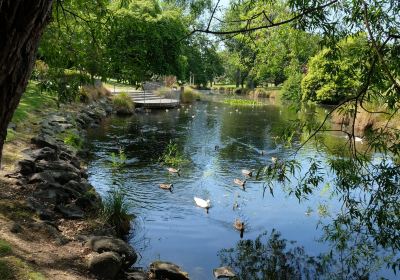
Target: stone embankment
(55, 181)
(53, 176)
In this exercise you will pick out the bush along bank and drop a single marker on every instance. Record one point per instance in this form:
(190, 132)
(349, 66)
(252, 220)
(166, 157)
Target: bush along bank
(57, 190)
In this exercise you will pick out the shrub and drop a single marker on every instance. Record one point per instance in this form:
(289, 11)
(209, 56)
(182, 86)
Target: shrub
(189, 96)
(291, 89)
(115, 212)
(123, 104)
(334, 75)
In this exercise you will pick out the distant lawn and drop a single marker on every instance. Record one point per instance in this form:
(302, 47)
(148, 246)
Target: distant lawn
(32, 102)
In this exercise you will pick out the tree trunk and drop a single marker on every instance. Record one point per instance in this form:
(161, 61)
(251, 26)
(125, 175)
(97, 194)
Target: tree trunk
(21, 25)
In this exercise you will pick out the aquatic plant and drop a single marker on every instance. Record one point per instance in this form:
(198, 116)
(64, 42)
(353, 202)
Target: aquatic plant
(244, 102)
(172, 156)
(118, 160)
(115, 212)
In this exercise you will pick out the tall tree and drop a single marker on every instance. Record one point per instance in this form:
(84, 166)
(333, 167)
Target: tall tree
(21, 26)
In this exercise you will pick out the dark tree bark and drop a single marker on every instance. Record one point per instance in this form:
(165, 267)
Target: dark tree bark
(21, 25)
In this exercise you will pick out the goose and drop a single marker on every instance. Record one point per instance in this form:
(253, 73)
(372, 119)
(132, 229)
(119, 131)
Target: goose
(239, 225)
(173, 170)
(166, 187)
(240, 182)
(247, 172)
(202, 203)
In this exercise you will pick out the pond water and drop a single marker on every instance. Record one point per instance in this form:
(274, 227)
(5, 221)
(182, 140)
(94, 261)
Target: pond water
(219, 140)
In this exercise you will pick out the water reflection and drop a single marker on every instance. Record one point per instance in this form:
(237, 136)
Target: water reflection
(175, 229)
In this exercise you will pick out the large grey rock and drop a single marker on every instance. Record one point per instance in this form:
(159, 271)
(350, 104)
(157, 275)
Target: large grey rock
(43, 140)
(167, 270)
(105, 265)
(41, 177)
(26, 167)
(45, 153)
(109, 244)
(59, 165)
(53, 176)
(70, 211)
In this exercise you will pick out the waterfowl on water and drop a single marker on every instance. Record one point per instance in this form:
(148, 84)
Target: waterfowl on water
(235, 205)
(202, 203)
(247, 172)
(166, 186)
(239, 225)
(239, 182)
(274, 159)
(173, 170)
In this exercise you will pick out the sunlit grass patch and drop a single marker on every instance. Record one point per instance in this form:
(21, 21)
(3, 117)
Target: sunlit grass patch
(32, 102)
(123, 103)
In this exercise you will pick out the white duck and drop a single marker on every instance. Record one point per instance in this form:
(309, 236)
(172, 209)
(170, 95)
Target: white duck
(202, 203)
(247, 172)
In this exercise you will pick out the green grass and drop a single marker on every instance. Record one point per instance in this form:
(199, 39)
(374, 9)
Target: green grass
(11, 135)
(13, 268)
(115, 212)
(5, 248)
(189, 95)
(6, 272)
(243, 102)
(31, 103)
(123, 103)
(73, 140)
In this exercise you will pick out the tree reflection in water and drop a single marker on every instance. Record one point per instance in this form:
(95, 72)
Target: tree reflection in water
(270, 256)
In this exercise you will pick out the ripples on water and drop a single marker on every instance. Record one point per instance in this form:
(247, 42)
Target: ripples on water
(169, 225)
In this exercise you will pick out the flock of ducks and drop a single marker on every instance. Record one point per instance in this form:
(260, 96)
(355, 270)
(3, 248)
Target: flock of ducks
(206, 203)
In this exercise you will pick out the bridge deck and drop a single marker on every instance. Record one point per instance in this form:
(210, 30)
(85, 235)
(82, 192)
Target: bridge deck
(151, 100)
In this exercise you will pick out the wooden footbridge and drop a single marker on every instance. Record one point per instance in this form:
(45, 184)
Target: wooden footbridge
(151, 100)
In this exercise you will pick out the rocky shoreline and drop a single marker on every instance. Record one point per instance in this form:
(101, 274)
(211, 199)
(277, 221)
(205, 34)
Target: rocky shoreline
(54, 179)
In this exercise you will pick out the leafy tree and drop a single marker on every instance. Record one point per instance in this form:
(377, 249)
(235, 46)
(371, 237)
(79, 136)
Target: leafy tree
(334, 75)
(144, 41)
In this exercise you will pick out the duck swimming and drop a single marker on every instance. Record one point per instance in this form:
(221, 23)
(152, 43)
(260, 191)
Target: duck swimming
(239, 225)
(239, 182)
(202, 203)
(166, 187)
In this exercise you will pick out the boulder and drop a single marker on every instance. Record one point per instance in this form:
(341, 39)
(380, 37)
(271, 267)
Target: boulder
(70, 211)
(60, 165)
(105, 265)
(45, 153)
(15, 228)
(41, 177)
(26, 167)
(63, 177)
(101, 244)
(43, 140)
(167, 270)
